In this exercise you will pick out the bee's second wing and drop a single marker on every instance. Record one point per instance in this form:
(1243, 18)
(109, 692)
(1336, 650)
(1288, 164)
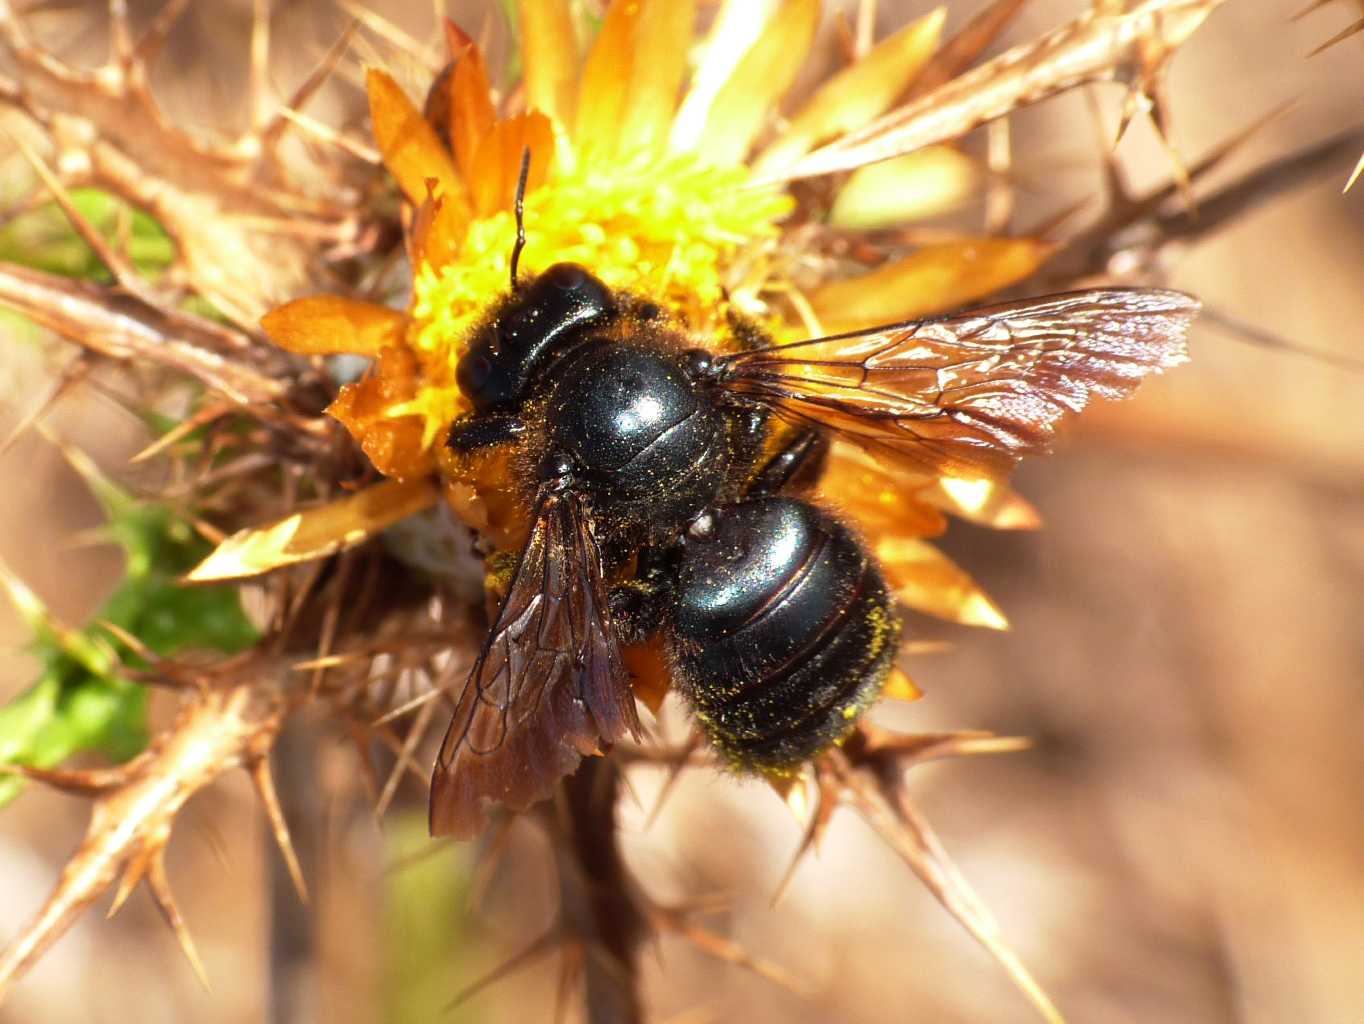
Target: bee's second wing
(970, 394)
(548, 687)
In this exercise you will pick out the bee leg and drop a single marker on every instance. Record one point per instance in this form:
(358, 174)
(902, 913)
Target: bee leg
(637, 605)
(795, 467)
(471, 432)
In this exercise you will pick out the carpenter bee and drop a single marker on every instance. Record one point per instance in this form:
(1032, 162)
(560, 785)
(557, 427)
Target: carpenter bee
(661, 508)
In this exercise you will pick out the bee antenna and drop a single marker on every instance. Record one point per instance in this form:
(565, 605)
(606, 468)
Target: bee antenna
(520, 207)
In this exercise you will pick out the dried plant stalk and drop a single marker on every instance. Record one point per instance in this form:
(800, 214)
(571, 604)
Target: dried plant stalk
(134, 808)
(1118, 40)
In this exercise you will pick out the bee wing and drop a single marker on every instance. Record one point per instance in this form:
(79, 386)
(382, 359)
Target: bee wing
(549, 685)
(968, 395)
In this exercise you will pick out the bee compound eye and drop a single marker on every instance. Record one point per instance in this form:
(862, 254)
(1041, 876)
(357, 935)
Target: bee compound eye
(568, 277)
(472, 372)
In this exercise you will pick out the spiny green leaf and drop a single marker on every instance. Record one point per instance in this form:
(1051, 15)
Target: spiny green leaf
(83, 699)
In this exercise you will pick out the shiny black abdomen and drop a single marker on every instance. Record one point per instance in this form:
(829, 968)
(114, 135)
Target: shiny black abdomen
(781, 631)
(650, 449)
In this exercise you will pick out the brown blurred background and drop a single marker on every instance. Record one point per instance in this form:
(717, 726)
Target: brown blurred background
(1185, 842)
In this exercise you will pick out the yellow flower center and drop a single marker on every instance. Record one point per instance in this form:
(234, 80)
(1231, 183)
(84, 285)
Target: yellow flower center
(664, 228)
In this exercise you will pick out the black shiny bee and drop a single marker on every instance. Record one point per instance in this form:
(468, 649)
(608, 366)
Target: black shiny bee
(659, 509)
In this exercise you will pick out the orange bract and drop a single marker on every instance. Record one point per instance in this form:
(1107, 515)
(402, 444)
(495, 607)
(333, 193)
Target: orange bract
(330, 324)
(393, 444)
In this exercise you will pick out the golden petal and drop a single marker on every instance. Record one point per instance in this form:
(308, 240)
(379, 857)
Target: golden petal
(990, 503)
(799, 792)
(471, 108)
(880, 498)
(858, 93)
(410, 147)
(601, 94)
(1355, 174)
(736, 28)
(438, 230)
(760, 80)
(393, 444)
(649, 675)
(549, 54)
(324, 325)
(933, 279)
(660, 64)
(477, 491)
(497, 167)
(315, 533)
(926, 183)
(925, 579)
(900, 687)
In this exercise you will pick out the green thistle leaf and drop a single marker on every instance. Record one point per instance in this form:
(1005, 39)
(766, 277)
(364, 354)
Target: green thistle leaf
(83, 699)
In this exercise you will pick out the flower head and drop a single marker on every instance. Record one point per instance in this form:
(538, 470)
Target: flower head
(665, 180)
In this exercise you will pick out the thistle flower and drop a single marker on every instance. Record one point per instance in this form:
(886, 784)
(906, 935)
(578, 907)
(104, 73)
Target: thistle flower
(678, 180)
(667, 184)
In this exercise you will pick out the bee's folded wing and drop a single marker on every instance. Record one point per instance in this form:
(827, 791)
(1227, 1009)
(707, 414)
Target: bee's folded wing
(549, 685)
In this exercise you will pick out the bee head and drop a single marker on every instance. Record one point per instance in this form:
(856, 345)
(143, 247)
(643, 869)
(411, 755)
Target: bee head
(498, 367)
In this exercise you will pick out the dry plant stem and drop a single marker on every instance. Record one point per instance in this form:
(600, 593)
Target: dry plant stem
(293, 939)
(870, 772)
(115, 324)
(134, 807)
(1149, 224)
(599, 908)
(247, 231)
(1118, 40)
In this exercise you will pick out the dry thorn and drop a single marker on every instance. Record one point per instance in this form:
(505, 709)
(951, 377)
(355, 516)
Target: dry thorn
(1090, 252)
(542, 946)
(675, 767)
(874, 783)
(1257, 335)
(120, 38)
(149, 46)
(961, 51)
(259, 96)
(135, 808)
(73, 374)
(318, 77)
(329, 135)
(408, 706)
(200, 418)
(728, 951)
(493, 848)
(392, 34)
(89, 782)
(826, 802)
(405, 761)
(415, 734)
(123, 272)
(571, 969)
(264, 782)
(132, 642)
(999, 196)
(1340, 37)
(133, 872)
(165, 902)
